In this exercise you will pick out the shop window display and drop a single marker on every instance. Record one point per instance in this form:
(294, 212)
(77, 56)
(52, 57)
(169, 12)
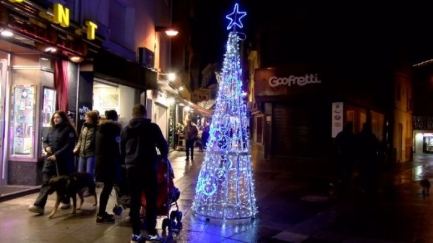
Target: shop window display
(428, 141)
(23, 120)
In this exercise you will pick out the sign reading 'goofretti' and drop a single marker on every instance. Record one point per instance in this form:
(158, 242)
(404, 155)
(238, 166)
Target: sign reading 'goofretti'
(294, 80)
(61, 17)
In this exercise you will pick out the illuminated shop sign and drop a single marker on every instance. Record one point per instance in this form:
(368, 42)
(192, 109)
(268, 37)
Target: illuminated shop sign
(61, 17)
(294, 80)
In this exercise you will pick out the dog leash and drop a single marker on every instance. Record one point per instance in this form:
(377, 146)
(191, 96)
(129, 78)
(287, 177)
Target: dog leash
(57, 168)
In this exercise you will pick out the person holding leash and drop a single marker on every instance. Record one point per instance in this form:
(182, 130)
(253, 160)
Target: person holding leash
(58, 145)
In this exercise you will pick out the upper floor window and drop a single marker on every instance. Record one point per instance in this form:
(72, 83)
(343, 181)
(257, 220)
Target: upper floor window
(121, 23)
(409, 99)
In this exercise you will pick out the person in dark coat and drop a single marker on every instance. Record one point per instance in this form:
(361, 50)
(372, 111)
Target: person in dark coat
(367, 146)
(138, 143)
(205, 134)
(190, 132)
(59, 160)
(108, 165)
(345, 142)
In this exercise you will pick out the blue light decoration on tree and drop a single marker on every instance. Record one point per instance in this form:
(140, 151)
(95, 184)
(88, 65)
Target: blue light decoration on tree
(225, 187)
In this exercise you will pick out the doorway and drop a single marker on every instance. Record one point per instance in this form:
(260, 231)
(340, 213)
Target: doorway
(161, 119)
(400, 142)
(3, 148)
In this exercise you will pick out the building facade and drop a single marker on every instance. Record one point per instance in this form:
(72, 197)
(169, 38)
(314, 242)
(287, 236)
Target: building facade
(304, 87)
(422, 112)
(99, 66)
(41, 46)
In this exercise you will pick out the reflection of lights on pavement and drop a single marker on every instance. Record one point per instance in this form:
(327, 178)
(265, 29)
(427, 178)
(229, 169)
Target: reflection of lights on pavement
(418, 171)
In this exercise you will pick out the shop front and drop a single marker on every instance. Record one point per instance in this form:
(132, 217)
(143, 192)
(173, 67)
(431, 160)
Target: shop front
(103, 86)
(113, 96)
(38, 76)
(170, 110)
(302, 110)
(27, 98)
(257, 124)
(423, 141)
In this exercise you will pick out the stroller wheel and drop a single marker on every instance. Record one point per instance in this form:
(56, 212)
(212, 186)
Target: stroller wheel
(178, 216)
(117, 210)
(171, 225)
(165, 224)
(179, 225)
(173, 215)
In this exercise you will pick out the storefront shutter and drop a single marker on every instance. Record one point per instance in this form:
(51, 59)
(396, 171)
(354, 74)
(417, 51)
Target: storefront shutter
(299, 131)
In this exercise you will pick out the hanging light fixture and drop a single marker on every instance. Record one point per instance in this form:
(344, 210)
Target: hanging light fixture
(169, 31)
(75, 58)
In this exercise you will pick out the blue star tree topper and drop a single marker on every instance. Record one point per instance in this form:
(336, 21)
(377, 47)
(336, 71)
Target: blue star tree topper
(235, 17)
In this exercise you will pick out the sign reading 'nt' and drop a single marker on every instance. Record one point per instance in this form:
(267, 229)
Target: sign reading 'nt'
(61, 17)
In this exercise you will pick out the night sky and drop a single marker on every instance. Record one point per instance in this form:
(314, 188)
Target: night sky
(211, 28)
(357, 28)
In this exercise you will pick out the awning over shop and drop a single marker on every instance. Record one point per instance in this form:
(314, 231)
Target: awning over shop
(115, 68)
(197, 108)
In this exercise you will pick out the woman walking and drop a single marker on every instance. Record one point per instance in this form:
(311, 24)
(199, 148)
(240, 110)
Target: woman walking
(108, 167)
(58, 145)
(86, 143)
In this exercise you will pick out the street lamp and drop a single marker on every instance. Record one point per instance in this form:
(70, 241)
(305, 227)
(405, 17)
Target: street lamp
(169, 31)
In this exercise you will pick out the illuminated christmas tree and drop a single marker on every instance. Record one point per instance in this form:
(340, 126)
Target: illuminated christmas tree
(225, 186)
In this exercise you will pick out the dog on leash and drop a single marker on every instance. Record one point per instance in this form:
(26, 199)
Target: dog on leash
(68, 186)
(425, 186)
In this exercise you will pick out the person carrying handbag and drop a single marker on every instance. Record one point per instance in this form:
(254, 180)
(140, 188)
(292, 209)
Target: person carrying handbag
(85, 147)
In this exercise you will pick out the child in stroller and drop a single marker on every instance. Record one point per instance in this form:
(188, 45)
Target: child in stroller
(168, 195)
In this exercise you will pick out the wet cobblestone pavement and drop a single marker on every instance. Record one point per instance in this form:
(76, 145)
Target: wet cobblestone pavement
(296, 202)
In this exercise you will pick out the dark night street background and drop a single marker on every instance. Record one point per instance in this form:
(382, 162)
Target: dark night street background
(323, 29)
(364, 53)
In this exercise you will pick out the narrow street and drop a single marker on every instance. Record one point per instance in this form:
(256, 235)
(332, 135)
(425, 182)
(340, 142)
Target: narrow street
(296, 204)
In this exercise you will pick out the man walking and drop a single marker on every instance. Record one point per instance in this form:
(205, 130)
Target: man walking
(138, 143)
(345, 143)
(190, 132)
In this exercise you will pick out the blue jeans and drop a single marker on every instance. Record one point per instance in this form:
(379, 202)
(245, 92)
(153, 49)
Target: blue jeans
(86, 164)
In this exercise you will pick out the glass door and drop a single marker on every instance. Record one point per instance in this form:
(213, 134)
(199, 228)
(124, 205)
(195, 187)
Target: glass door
(3, 146)
(47, 110)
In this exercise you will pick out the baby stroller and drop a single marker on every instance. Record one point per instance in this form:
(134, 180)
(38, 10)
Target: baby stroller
(168, 195)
